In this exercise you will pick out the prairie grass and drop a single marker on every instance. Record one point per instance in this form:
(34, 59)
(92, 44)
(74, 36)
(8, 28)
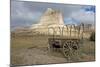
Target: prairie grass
(19, 42)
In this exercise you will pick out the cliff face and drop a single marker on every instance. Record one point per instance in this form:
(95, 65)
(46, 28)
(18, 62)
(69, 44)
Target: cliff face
(50, 17)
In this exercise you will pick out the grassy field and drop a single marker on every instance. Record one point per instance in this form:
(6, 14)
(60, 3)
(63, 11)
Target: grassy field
(29, 41)
(25, 49)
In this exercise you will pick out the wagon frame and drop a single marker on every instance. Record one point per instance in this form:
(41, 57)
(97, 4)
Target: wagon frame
(69, 45)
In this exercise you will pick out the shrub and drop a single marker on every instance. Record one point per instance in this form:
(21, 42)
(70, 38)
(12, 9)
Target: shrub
(92, 37)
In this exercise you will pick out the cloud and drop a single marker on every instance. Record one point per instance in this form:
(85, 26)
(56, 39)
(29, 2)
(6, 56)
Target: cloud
(84, 15)
(89, 8)
(71, 20)
(21, 15)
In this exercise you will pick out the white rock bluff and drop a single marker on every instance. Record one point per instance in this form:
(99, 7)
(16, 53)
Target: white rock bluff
(51, 18)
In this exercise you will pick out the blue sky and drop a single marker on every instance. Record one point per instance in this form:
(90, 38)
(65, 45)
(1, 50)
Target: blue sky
(28, 13)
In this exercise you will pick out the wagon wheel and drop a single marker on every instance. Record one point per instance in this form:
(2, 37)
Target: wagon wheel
(69, 49)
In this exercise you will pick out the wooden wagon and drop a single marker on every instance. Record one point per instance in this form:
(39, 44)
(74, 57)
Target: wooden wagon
(67, 40)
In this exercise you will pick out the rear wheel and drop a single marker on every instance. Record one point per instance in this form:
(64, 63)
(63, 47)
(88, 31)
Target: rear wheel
(70, 48)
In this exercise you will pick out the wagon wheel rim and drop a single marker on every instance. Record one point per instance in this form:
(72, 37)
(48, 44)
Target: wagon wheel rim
(67, 49)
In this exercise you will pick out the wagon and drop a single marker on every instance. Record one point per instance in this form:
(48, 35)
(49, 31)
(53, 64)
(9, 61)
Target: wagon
(67, 40)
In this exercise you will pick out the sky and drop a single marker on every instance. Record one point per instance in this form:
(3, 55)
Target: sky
(24, 13)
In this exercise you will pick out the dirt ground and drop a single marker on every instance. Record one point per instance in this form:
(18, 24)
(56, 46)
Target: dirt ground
(33, 50)
(37, 56)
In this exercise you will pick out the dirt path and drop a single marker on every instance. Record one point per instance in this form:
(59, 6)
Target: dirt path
(36, 56)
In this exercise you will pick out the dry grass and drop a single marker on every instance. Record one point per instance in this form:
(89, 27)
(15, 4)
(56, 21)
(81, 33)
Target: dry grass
(28, 41)
(87, 51)
(19, 43)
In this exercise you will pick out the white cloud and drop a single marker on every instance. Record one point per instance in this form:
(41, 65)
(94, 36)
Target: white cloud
(84, 16)
(19, 10)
